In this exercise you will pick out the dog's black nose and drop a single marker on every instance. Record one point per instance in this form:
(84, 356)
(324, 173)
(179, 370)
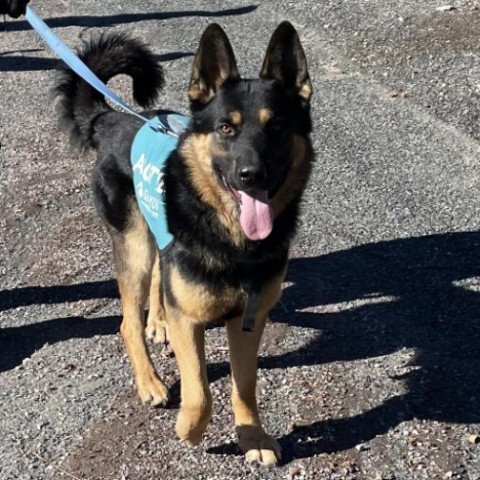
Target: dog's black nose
(251, 176)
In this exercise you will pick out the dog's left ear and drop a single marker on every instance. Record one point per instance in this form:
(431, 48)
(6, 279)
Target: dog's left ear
(214, 63)
(285, 61)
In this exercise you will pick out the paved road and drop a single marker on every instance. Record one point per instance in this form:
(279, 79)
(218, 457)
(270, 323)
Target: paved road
(370, 368)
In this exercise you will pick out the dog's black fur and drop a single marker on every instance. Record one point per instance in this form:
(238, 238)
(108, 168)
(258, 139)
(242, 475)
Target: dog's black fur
(246, 154)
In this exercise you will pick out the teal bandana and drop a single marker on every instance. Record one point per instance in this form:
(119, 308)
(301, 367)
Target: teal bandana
(152, 145)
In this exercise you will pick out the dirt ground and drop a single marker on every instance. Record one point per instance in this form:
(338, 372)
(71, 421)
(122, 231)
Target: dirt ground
(370, 366)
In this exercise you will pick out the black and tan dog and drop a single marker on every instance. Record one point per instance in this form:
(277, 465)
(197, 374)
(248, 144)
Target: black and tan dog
(232, 191)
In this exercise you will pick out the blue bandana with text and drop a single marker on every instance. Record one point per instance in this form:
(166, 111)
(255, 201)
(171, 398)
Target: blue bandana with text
(152, 145)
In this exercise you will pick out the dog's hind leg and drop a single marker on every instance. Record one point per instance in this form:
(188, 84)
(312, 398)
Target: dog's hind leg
(134, 252)
(156, 325)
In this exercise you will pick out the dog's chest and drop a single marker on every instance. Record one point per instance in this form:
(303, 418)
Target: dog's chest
(202, 301)
(152, 145)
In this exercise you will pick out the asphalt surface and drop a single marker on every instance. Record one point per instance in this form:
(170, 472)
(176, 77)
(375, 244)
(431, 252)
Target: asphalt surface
(370, 368)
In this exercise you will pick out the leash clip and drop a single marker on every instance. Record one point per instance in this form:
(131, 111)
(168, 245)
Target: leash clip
(169, 125)
(160, 128)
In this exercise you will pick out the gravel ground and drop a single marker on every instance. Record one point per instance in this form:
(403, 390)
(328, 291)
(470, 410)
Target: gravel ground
(370, 368)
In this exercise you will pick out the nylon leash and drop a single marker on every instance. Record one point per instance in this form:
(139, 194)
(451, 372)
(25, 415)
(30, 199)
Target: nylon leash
(72, 60)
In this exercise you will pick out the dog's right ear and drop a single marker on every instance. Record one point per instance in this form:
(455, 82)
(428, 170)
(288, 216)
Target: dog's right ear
(214, 63)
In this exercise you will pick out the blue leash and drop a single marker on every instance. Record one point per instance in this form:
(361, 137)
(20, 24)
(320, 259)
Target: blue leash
(74, 62)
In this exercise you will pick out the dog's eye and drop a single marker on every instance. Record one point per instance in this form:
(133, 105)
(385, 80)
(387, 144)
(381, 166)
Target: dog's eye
(225, 129)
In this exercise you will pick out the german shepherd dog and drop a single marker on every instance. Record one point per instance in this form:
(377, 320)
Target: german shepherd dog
(232, 186)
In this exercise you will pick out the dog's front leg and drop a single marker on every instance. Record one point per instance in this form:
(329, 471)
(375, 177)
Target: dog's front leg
(252, 439)
(188, 341)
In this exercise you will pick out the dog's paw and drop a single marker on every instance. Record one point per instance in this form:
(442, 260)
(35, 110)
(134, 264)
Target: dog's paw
(156, 329)
(152, 390)
(258, 446)
(191, 424)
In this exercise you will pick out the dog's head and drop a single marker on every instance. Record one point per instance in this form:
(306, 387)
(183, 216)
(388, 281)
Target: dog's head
(248, 149)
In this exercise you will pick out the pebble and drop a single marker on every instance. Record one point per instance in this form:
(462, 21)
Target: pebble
(293, 471)
(474, 439)
(445, 8)
(361, 447)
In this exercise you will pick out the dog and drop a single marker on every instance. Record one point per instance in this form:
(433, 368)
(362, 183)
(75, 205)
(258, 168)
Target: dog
(232, 184)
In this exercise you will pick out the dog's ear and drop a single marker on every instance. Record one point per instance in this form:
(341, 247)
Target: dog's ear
(214, 63)
(285, 61)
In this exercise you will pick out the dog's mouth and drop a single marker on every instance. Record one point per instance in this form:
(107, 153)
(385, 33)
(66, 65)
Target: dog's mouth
(256, 213)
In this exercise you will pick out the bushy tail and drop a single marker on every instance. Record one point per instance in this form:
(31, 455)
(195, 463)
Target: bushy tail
(107, 55)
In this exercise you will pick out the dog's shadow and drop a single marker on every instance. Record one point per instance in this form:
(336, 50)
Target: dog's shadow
(419, 293)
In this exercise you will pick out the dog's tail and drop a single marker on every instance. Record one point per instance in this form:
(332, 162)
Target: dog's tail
(80, 105)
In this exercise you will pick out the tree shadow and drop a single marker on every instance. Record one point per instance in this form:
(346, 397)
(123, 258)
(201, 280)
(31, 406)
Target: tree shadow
(93, 21)
(27, 63)
(25, 296)
(11, 63)
(18, 343)
(418, 293)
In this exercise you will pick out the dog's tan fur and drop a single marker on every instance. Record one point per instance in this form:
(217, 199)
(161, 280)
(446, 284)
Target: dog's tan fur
(264, 115)
(236, 117)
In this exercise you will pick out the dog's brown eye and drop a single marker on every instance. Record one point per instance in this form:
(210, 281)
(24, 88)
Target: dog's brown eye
(225, 129)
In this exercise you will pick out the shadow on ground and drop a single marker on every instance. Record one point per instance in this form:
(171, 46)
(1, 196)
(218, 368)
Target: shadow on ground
(416, 292)
(19, 343)
(93, 21)
(11, 63)
(25, 296)
(419, 293)
(21, 63)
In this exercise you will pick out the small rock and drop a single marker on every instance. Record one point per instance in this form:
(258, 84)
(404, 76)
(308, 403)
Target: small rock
(333, 70)
(293, 471)
(474, 439)
(445, 8)
(361, 447)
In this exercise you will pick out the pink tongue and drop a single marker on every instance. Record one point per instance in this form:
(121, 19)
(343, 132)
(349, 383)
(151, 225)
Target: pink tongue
(256, 215)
